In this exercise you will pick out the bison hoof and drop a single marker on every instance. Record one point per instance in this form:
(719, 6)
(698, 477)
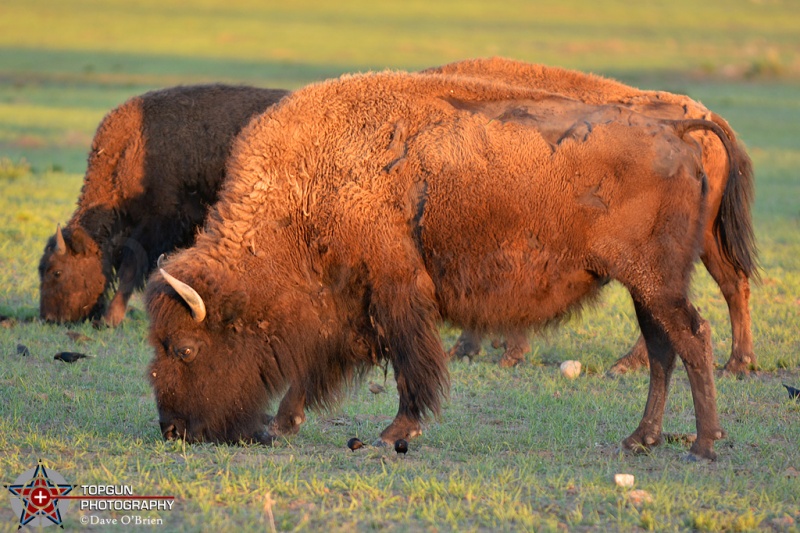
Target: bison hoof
(176, 430)
(383, 442)
(280, 427)
(703, 447)
(635, 359)
(113, 318)
(265, 438)
(737, 368)
(170, 433)
(508, 362)
(636, 444)
(707, 455)
(625, 366)
(680, 438)
(618, 370)
(405, 429)
(464, 347)
(512, 357)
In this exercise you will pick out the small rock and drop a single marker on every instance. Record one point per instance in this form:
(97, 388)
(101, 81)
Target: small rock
(624, 480)
(374, 388)
(571, 369)
(23, 350)
(639, 497)
(782, 523)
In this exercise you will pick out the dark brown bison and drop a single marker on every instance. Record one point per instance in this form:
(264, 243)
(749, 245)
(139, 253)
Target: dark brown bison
(730, 271)
(156, 164)
(361, 211)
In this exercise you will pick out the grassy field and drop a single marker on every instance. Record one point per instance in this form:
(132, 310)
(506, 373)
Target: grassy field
(519, 449)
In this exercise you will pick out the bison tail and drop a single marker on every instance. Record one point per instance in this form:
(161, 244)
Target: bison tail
(733, 224)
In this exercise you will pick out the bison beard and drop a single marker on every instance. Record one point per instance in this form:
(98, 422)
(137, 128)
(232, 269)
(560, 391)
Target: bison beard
(156, 164)
(361, 211)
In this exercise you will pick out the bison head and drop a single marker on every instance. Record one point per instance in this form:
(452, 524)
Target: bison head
(207, 370)
(72, 282)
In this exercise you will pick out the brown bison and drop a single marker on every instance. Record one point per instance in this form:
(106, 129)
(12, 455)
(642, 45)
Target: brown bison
(730, 271)
(156, 164)
(361, 211)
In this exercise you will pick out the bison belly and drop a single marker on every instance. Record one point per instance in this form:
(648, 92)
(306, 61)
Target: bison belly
(497, 233)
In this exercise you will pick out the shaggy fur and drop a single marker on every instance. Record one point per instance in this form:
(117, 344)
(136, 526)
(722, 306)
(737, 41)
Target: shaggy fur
(156, 164)
(361, 211)
(729, 251)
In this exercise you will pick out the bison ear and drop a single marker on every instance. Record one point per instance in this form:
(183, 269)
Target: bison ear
(233, 306)
(80, 241)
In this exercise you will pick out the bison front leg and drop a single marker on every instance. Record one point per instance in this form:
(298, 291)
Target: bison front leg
(291, 413)
(115, 313)
(287, 421)
(131, 271)
(404, 313)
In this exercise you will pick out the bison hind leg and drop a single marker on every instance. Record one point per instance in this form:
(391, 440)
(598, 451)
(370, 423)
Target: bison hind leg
(661, 355)
(672, 326)
(735, 287)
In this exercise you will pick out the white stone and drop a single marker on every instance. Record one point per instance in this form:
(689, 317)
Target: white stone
(624, 480)
(571, 369)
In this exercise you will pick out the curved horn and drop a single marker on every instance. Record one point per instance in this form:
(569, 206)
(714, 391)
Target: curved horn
(189, 295)
(160, 261)
(61, 246)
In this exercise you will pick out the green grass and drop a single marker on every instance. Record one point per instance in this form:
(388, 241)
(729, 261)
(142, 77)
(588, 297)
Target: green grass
(518, 449)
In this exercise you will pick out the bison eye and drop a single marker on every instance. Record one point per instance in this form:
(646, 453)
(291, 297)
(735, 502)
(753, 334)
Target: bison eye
(57, 274)
(185, 353)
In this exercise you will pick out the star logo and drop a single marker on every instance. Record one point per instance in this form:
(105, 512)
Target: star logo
(35, 497)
